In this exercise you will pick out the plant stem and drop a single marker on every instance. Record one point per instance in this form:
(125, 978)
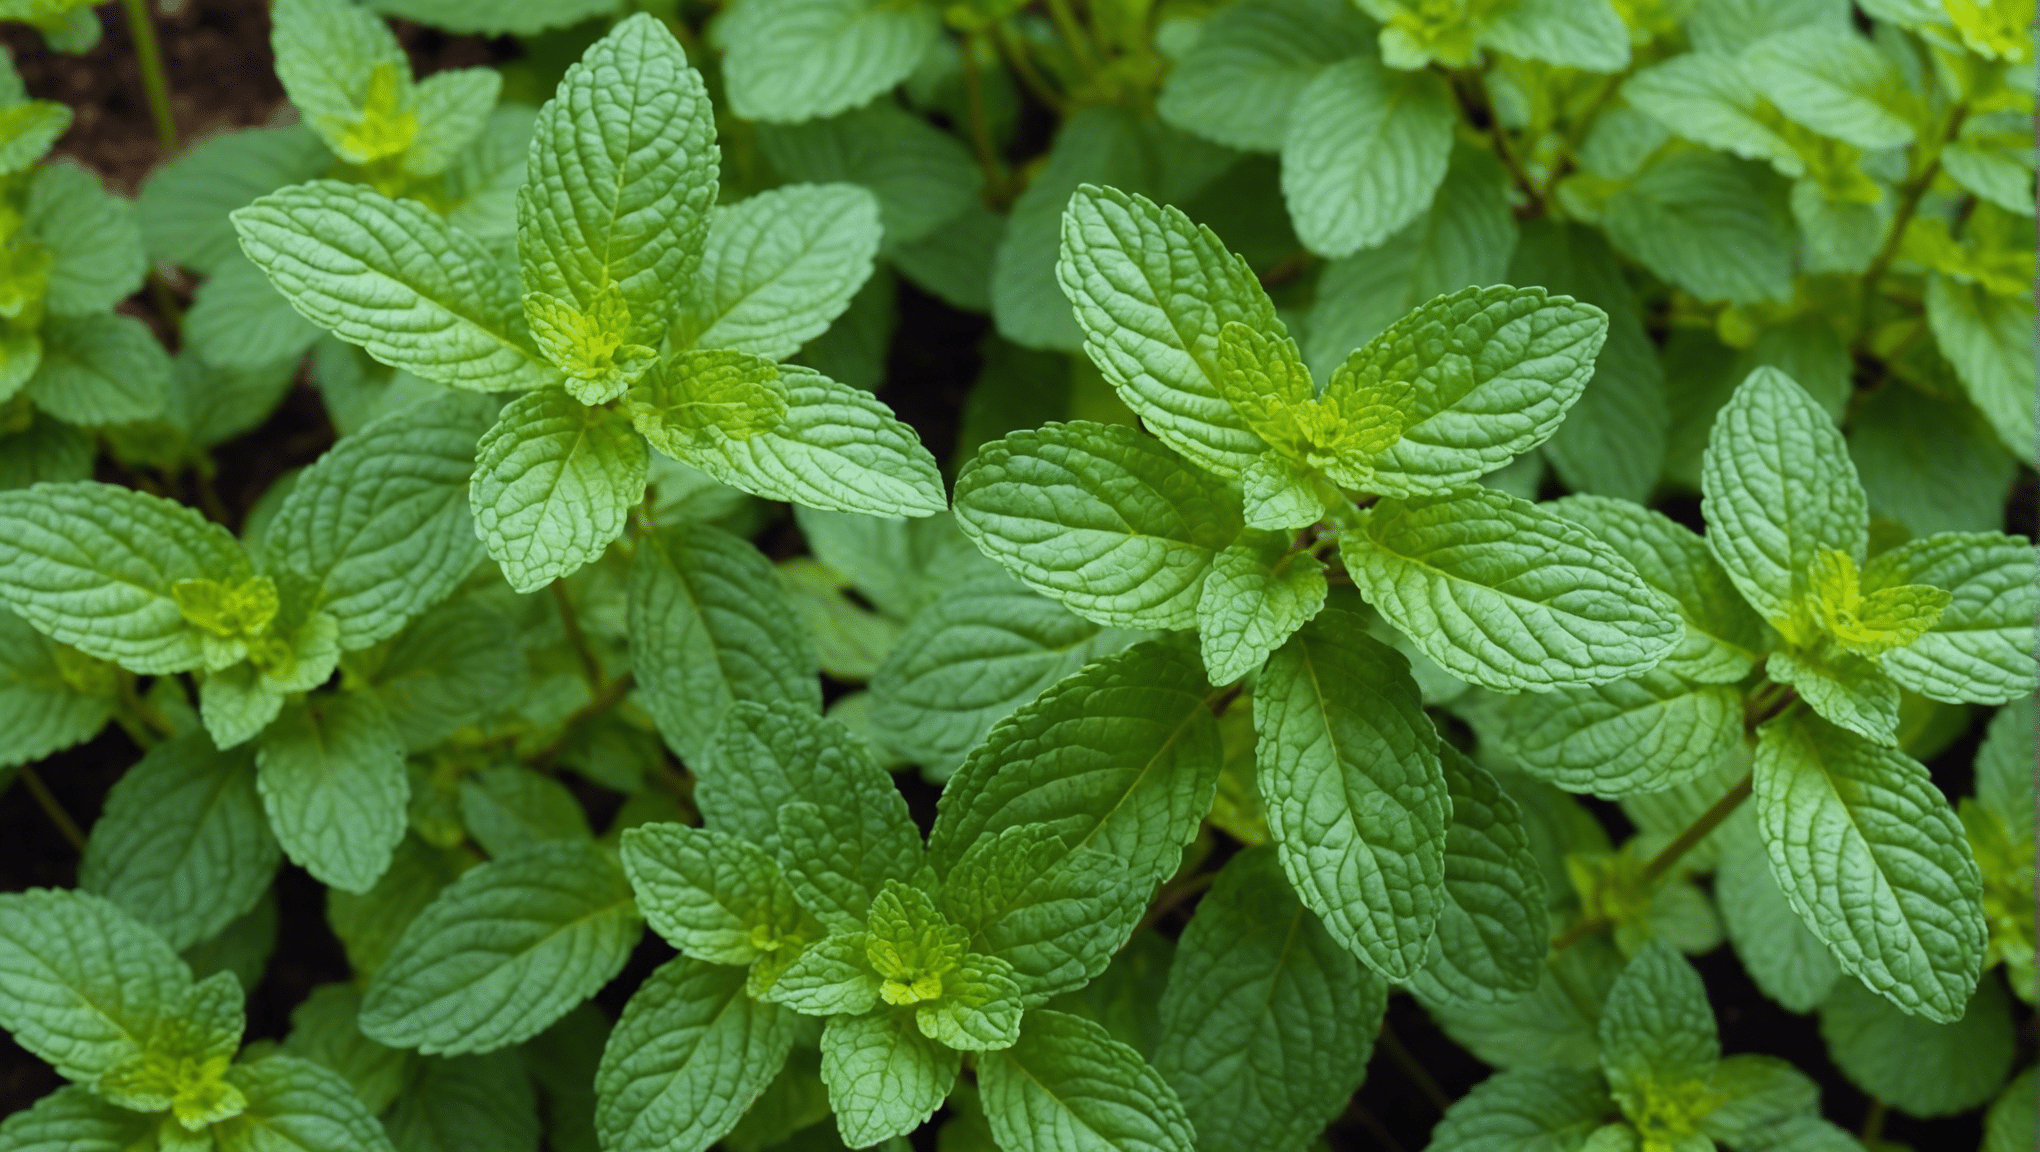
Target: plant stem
(1908, 207)
(1073, 35)
(1670, 855)
(981, 128)
(1023, 67)
(591, 668)
(1873, 1121)
(143, 31)
(1504, 150)
(55, 811)
(133, 704)
(165, 301)
(608, 698)
(1393, 1045)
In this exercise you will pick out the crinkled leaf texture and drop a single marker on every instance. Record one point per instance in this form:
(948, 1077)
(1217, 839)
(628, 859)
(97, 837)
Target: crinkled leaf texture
(1871, 856)
(1495, 925)
(1068, 1084)
(87, 984)
(554, 483)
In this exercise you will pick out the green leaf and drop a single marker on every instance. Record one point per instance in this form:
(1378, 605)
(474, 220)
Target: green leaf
(1781, 954)
(393, 278)
(1099, 517)
(182, 843)
(331, 773)
(1778, 487)
(453, 109)
(1984, 337)
(1626, 737)
(1465, 238)
(831, 977)
(99, 369)
(73, 1119)
(1704, 97)
(1835, 82)
(1657, 1029)
(1872, 858)
(237, 319)
(780, 266)
(554, 484)
(509, 807)
(1151, 291)
(1365, 148)
(1068, 1084)
(1052, 915)
(621, 179)
(347, 75)
(1267, 1022)
(1494, 927)
(29, 128)
(1494, 371)
(1698, 220)
(924, 178)
(468, 1104)
(1586, 34)
(2008, 1127)
(458, 665)
(1238, 82)
(1723, 636)
(1504, 594)
(93, 565)
(95, 243)
(87, 984)
(494, 17)
(1981, 647)
(297, 1106)
(839, 856)
(1356, 800)
(1918, 1066)
(968, 659)
(1525, 1110)
(183, 205)
(504, 951)
(45, 449)
(1122, 758)
(689, 1055)
(1258, 593)
(1846, 690)
(323, 1031)
(379, 524)
(1930, 465)
(793, 60)
(837, 449)
(712, 895)
(1556, 1025)
(688, 403)
(710, 626)
(885, 1079)
(50, 696)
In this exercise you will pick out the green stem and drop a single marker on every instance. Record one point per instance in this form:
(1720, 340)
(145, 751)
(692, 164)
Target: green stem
(1073, 35)
(1505, 151)
(1908, 207)
(143, 30)
(608, 698)
(55, 811)
(981, 128)
(1669, 856)
(1425, 1082)
(1022, 65)
(591, 668)
(133, 704)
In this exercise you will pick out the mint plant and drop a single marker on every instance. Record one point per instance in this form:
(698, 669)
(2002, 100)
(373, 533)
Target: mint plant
(1403, 438)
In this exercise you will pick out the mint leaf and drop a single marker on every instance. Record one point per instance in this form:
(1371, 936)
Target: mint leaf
(100, 369)
(1259, 592)
(1781, 954)
(95, 243)
(1627, 737)
(457, 666)
(1053, 915)
(1526, 1108)
(793, 60)
(453, 109)
(1981, 647)
(1546, 604)
(93, 566)
(1267, 1022)
(688, 1056)
(1238, 82)
(296, 1104)
(1871, 856)
(238, 319)
(393, 278)
(712, 895)
(51, 697)
(885, 1079)
(1844, 689)
(1778, 487)
(1590, 35)
(73, 1117)
(1365, 149)
(925, 179)
(182, 843)
(780, 266)
(1494, 371)
(1357, 804)
(1980, 334)
(621, 179)
(1704, 97)
(1494, 928)
(331, 773)
(507, 807)
(87, 983)
(1835, 82)
(554, 484)
(968, 659)
(1151, 291)
(1697, 220)
(1099, 517)
(504, 951)
(1657, 1029)
(711, 626)
(379, 553)
(839, 860)
(1555, 1027)
(347, 75)
(832, 977)
(1918, 1066)
(1068, 1081)
(183, 205)
(766, 757)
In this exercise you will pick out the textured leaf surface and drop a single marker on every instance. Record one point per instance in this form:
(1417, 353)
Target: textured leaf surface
(1981, 647)
(331, 773)
(1871, 856)
(793, 60)
(103, 368)
(297, 1106)
(1525, 1110)
(1258, 593)
(1494, 927)
(393, 278)
(1099, 517)
(1236, 86)
(1356, 800)
(1984, 337)
(780, 266)
(1365, 149)
(504, 951)
(41, 709)
(1918, 1066)
(183, 205)
(1267, 1023)
(1781, 954)
(86, 982)
(885, 1078)
(1503, 593)
(1641, 735)
(1834, 82)
(710, 626)
(1657, 1029)
(1697, 221)
(1067, 1086)
(554, 484)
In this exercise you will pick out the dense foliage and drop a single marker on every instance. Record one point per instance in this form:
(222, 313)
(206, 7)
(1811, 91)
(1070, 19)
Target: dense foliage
(1296, 566)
